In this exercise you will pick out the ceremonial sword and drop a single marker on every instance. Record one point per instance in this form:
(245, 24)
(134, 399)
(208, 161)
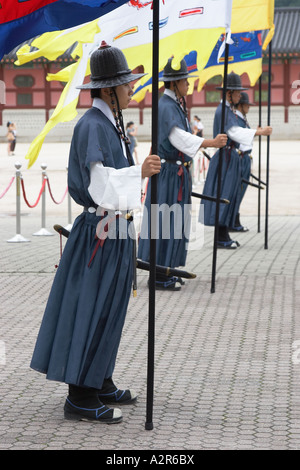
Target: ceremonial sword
(257, 179)
(144, 265)
(210, 198)
(252, 184)
(243, 180)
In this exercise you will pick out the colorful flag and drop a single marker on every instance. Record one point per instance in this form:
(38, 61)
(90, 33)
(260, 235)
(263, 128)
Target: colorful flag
(52, 45)
(21, 20)
(183, 27)
(245, 51)
(245, 55)
(66, 107)
(253, 16)
(191, 61)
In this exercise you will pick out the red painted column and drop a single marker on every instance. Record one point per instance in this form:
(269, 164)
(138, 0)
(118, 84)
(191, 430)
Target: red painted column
(286, 88)
(47, 91)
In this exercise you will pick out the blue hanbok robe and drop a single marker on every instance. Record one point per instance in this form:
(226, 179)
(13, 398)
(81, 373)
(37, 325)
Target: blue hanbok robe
(230, 178)
(245, 157)
(82, 324)
(173, 193)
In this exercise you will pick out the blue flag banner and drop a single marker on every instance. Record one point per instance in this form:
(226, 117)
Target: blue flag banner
(245, 56)
(21, 20)
(191, 62)
(245, 46)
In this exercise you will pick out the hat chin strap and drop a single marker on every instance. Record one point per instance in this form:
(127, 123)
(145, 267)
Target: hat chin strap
(180, 99)
(118, 116)
(232, 105)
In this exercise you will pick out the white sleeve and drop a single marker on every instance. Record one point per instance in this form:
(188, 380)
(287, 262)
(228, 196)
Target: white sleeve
(242, 136)
(185, 142)
(116, 189)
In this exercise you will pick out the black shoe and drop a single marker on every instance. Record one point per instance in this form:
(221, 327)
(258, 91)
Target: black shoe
(240, 228)
(228, 245)
(180, 280)
(110, 394)
(103, 414)
(172, 284)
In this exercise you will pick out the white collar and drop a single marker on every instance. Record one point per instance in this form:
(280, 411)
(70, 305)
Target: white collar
(226, 103)
(100, 104)
(240, 114)
(170, 93)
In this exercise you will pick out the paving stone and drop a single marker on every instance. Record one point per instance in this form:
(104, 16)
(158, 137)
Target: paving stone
(226, 365)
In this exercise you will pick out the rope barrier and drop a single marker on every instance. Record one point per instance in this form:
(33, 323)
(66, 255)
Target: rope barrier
(204, 164)
(20, 188)
(39, 196)
(50, 192)
(9, 185)
(46, 180)
(200, 167)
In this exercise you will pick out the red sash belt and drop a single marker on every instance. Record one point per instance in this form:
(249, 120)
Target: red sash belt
(180, 163)
(101, 234)
(228, 154)
(180, 173)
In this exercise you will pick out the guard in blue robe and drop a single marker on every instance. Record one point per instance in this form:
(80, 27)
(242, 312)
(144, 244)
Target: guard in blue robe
(245, 156)
(231, 174)
(173, 189)
(231, 171)
(81, 329)
(83, 288)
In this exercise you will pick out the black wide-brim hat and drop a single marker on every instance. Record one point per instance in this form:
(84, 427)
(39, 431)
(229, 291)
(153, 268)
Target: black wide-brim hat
(245, 99)
(170, 74)
(233, 83)
(109, 68)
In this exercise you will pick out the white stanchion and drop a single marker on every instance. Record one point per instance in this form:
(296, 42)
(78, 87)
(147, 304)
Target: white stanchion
(43, 231)
(18, 238)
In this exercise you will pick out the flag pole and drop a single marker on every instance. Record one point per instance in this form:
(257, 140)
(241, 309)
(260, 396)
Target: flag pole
(268, 147)
(216, 233)
(259, 155)
(153, 221)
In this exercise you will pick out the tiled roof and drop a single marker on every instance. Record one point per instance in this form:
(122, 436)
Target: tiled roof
(286, 39)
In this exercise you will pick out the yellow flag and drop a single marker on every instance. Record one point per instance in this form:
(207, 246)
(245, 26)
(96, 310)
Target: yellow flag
(54, 44)
(253, 15)
(247, 22)
(253, 68)
(66, 107)
(181, 44)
